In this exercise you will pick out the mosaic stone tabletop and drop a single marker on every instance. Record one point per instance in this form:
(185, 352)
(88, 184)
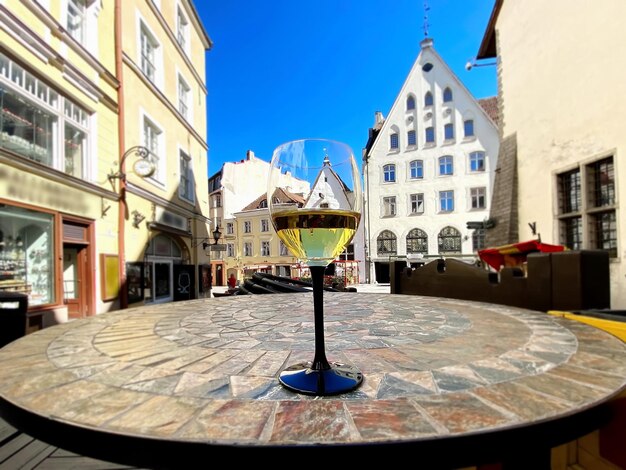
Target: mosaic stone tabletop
(206, 370)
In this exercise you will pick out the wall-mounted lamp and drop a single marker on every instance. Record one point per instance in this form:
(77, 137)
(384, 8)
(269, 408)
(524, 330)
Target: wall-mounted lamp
(143, 166)
(138, 217)
(217, 234)
(472, 63)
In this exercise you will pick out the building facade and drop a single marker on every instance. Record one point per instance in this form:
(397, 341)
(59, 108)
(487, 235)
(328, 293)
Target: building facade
(561, 173)
(165, 219)
(76, 104)
(428, 169)
(58, 139)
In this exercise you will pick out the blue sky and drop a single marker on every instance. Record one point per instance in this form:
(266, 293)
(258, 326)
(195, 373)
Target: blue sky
(291, 69)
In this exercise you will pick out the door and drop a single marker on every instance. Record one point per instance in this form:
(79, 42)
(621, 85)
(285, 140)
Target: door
(162, 280)
(74, 280)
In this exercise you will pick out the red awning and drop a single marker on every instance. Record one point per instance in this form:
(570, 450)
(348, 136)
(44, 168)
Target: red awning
(515, 253)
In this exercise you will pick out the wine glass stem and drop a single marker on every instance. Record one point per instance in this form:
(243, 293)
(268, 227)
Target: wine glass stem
(317, 277)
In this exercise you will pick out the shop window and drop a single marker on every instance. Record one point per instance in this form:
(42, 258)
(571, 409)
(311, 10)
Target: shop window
(34, 119)
(26, 253)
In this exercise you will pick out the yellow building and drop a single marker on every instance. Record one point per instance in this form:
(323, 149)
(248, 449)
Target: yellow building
(73, 212)
(561, 91)
(163, 94)
(58, 140)
(252, 244)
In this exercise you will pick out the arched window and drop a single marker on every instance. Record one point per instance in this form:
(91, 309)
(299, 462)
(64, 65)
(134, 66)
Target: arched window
(416, 168)
(449, 241)
(394, 141)
(417, 241)
(428, 99)
(477, 161)
(411, 138)
(263, 204)
(446, 166)
(389, 173)
(447, 95)
(410, 103)
(386, 243)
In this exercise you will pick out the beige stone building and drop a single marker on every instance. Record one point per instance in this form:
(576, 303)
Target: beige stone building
(562, 94)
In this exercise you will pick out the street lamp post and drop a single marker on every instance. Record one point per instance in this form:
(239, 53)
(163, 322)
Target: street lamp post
(217, 234)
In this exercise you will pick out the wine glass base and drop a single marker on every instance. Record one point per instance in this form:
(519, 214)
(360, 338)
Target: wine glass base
(340, 378)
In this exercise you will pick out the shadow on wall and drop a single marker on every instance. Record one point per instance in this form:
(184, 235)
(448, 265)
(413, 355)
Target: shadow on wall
(568, 280)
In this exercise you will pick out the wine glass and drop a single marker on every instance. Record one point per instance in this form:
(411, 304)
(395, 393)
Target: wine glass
(314, 199)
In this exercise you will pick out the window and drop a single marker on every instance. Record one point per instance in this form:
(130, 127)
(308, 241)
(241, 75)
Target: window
(477, 195)
(410, 103)
(149, 46)
(468, 127)
(428, 99)
(417, 241)
(386, 243)
(416, 169)
(448, 131)
(247, 227)
(182, 29)
(446, 201)
(449, 241)
(217, 200)
(27, 256)
(389, 206)
(587, 217)
(411, 138)
(389, 173)
(265, 225)
(39, 124)
(417, 203)
(447, 95)
(283, 249)
(445, 165)
(230, 250)
(263, 204)
(478, 239)
(230, 228)
(76, 19)
(265, 248)
(394, 141)
(183, 97)
(427, 67)
(247, 249)
(186, 185)
(151, 138)
(477, 161)
(430, 135)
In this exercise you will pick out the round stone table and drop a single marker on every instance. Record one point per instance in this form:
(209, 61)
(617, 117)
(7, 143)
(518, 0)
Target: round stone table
(455, 382)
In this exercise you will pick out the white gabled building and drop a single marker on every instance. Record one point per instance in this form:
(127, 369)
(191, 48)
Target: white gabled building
(428, 169)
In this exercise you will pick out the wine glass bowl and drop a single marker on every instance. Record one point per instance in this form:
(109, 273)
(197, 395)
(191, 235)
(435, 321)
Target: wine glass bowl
(314, 199)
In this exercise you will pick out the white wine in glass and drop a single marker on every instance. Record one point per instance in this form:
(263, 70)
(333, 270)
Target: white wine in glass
(314, 198)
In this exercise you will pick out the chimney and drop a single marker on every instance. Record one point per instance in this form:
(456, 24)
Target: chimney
(378, 120)
(249, 154)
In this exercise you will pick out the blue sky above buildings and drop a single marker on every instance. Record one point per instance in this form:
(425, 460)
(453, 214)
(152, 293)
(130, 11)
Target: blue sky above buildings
(286, 69)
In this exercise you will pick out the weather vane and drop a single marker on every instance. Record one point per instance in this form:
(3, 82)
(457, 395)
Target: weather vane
(426, 25)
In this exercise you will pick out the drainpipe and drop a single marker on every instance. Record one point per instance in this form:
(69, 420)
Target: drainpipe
(122, 208)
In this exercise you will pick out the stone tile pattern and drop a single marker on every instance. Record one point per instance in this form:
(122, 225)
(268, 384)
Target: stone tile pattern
(207, 369)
